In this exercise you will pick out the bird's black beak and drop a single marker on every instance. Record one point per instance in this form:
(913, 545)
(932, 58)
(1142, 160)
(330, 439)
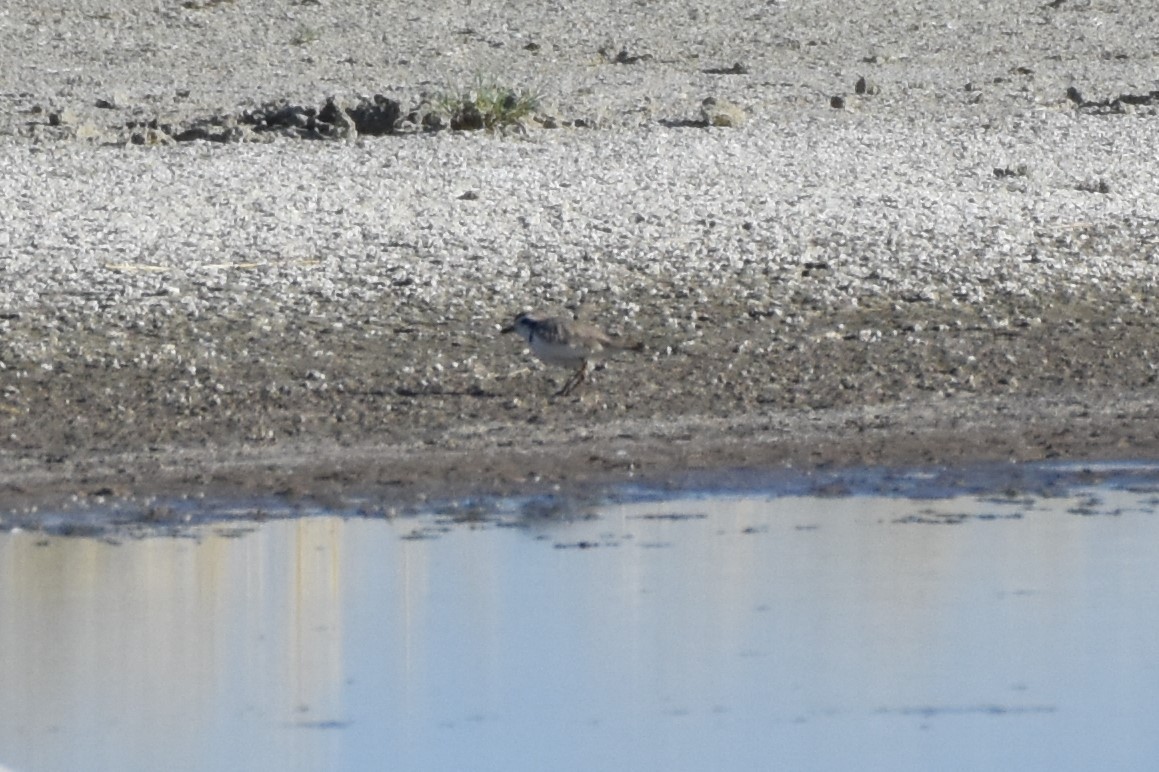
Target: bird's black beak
(507, 329)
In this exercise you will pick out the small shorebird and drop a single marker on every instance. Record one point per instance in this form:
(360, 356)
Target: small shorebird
(566, 343)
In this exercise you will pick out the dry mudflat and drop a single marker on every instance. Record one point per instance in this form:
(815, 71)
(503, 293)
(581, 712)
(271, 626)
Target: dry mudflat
(893, 237)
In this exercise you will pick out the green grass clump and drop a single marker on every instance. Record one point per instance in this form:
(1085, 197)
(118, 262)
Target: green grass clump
(305, 36)
(488, 106)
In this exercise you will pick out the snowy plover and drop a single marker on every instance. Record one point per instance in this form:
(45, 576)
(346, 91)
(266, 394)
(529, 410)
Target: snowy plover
(566, 343)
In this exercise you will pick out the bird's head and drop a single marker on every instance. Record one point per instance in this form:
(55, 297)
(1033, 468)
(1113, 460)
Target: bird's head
(522, 325)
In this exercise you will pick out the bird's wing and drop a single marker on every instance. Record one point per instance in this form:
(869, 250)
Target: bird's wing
(610, 343)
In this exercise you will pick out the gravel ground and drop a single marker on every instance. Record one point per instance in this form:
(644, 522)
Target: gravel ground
(956, 264)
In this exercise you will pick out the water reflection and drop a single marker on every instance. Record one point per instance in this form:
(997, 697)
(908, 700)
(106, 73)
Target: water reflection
(692, 634)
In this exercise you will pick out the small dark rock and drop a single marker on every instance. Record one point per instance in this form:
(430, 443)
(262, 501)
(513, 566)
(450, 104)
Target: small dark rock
(281, 115)
(623, 57)
(1140, 99)
(333, 115)
(720, 112)
(837, 102)
(377, 117)
(468, 118)
(866, 87)
(1021, 170)
(736, 69)
(1094, 186)
(202, 132)
(433, 121)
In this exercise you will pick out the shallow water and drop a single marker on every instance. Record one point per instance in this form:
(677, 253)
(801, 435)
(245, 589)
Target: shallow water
(746, 632)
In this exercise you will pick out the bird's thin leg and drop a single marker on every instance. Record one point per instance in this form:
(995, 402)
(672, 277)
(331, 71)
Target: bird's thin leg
(574, 380)
(568, 385)
(581, 376)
